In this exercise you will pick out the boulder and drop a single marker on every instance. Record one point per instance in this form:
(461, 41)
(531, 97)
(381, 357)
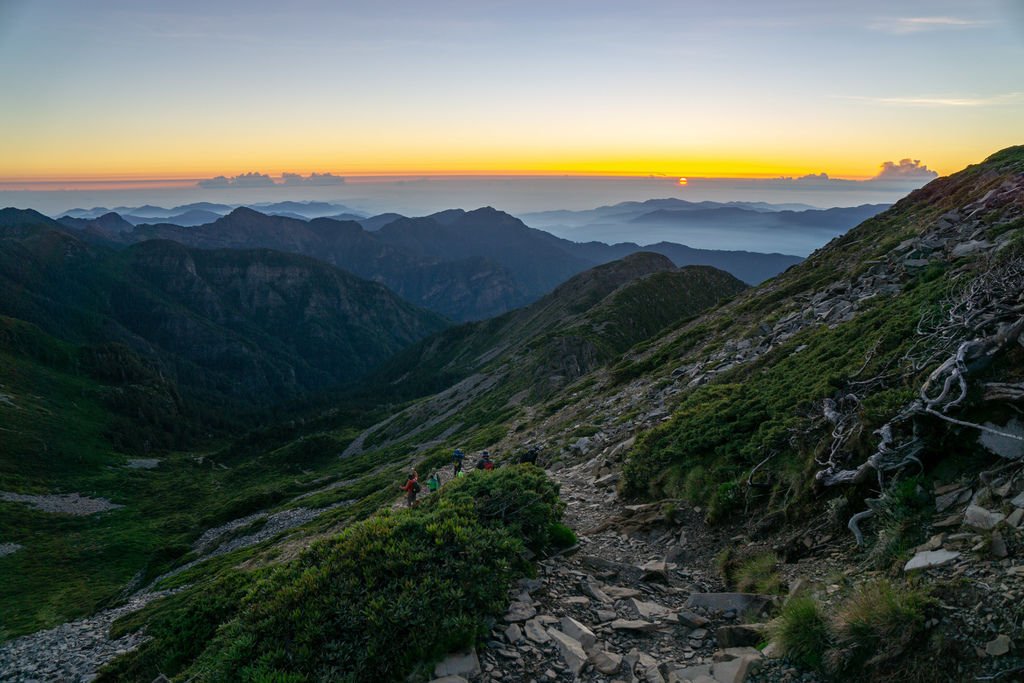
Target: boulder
(605, 662)
(449, 679)
(647, 610)
(570, 649)
(980, 518)
(513, 633)
(535, 631)
(620, 593)
(692, 674)
(633, 625)
(737, 669)
(655, 571)
(465, 664)
(998, 646)
(580, 632)
(691, 620)
(592, 589)
(930, 558)
(520, 611)
(1004, 447)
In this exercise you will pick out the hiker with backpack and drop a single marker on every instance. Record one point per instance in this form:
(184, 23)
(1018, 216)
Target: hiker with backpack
(434, 483)
(485, 463)
(457, 457)
(411, 488)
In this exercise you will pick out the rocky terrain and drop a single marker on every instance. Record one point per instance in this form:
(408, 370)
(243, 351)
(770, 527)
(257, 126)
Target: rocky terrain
(639, 597)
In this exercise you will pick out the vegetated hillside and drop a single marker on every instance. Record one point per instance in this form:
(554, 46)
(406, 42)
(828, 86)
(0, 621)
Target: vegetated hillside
(97, 497)
(585, 322)
(249, 327)
(464, 265)
(803, 371)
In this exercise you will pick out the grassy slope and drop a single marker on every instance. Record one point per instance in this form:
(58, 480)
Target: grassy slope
(720, 431)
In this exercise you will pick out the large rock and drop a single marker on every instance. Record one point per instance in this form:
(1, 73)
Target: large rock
(1004, 447)
(463, 664)
(647, 610)
(513, 633)
(733, 666)
(520, 611)
(930, 558)
(621, 593)
(592, 589)
(607, 663)
(694, 674)
(980, 518)
(655, 571)
(998, 646)
(633, 625)
(691, 620)
(570, 649)
(449, 679)
(580, 632)
(535, 631)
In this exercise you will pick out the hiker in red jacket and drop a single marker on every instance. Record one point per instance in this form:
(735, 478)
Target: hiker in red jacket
(411, 488)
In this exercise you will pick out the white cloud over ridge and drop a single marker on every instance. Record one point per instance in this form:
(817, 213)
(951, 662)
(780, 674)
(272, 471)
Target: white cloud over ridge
(907, 25)
(254, 179)
(905, 169)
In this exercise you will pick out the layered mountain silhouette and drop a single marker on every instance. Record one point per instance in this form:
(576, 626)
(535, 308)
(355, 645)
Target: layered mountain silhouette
(465, 265)
(790, 228)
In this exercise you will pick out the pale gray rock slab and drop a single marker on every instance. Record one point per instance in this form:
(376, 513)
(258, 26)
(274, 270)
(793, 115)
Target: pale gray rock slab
(633, 625)
(580, 632)
(998, 646)
(465, 664)
(605, 662)
(930, 558)
(980, 518)
(520, 611)
(571, 650)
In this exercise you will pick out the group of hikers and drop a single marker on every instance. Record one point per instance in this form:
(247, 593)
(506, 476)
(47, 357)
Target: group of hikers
(412, 486)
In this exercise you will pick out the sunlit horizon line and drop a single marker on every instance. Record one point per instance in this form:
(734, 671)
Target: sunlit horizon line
(185, 180)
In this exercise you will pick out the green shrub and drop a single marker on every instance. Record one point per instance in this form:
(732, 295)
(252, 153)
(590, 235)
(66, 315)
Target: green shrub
(876, 625)
(400, 588)
(802, 632)
(179, 627)
(561, 536)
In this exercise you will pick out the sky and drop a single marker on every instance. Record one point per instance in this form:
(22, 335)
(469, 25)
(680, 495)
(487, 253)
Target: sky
(108, 90)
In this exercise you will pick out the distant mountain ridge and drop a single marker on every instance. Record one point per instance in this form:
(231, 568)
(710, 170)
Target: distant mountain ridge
(786, 228)
(466, 265)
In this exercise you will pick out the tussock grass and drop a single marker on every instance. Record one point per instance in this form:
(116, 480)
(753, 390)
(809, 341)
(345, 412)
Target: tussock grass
(802, 631)
(876, 625)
